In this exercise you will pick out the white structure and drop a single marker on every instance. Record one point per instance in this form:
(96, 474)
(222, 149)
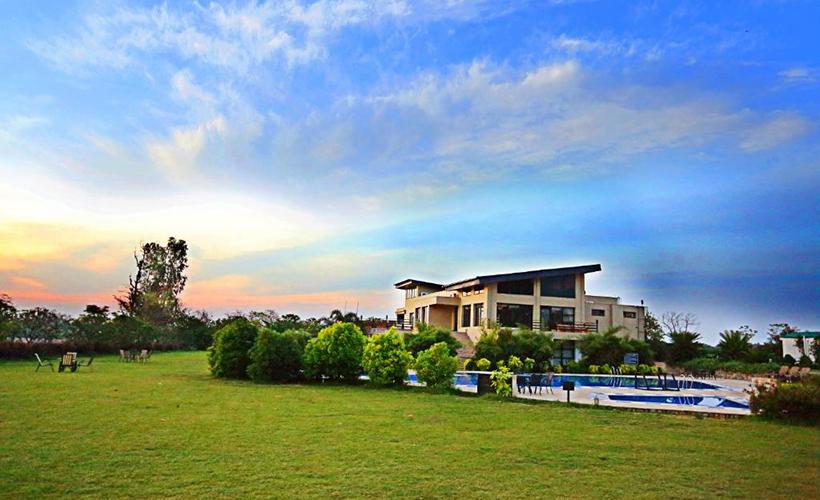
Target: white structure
(791, 344)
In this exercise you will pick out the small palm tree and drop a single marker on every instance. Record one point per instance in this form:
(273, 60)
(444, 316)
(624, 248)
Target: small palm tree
(734, 344)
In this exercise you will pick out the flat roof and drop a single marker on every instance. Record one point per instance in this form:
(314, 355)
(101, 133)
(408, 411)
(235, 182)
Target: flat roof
(412, 283)
(523, 275)
(794, 335)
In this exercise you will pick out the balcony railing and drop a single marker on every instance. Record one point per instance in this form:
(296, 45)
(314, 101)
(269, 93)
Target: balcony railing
(566, 327)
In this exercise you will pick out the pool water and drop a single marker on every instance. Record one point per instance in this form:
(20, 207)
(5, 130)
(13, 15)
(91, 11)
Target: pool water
(702, 401)
(628, 382)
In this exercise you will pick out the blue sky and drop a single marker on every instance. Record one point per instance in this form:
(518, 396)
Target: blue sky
(314, 153)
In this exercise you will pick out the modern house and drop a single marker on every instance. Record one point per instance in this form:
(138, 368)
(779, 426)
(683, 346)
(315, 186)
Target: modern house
(553, 300)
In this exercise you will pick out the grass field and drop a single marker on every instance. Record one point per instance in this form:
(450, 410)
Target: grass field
(167, 428)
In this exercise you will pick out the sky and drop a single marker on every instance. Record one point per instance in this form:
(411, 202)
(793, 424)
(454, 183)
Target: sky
(314, 153)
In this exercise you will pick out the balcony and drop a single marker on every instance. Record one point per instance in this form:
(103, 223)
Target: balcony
(566, 327)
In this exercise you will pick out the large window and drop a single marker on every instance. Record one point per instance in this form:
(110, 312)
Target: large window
(512, 315)
(551, 316)
(564, 353)
(630, 314)
(558, 286)
(478, 312)
(519, 287)
(465, 316)
(599, 312)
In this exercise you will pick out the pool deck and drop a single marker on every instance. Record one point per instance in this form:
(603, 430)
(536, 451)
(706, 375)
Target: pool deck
(731, 389)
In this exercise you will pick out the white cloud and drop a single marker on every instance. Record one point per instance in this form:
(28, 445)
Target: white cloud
(774, 131)
(799, 75)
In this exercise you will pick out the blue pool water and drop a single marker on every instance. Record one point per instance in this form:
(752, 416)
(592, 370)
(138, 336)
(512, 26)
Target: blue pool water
(471, 379)
(703, 401)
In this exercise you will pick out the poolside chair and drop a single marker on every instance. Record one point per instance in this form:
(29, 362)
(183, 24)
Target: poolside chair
(784, 370)
(794, 372)
(523, 383)
(41, 363)
(804, 372)
(69, 360)
(87, 364)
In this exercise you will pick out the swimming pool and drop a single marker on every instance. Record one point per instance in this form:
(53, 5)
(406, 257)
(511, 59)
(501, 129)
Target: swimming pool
(702, 401)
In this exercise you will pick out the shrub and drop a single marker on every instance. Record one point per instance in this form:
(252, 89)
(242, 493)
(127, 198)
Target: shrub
(593, 369)
(385, 358)
(515, 364)
(498, 344)
(501, 380)
(805, 360)
(574, 367)
(436, 367)
(336, 353)
(277, 356)
(426, 336)
(788, 359)
(529, 365)
(229, 356)
(628, 369)
(605, 369)
(796, 401)
(483, 364)
(654, 370)
(711, 364)
(643, 369)
(557, 369)
(467, 364)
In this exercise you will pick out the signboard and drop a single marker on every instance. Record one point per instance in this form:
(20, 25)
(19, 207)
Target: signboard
(631, 358)
(568, 386)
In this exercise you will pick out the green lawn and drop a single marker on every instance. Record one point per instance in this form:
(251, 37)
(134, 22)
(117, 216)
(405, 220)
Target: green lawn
(167, 428)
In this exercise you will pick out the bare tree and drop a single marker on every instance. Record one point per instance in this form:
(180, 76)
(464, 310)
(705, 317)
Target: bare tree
(676, 322)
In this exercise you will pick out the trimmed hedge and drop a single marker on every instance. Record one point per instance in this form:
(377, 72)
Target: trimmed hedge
(712, 364)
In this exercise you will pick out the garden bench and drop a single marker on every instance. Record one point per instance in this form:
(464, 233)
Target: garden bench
(41, 363)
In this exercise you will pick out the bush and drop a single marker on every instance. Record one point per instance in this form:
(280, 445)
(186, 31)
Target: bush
(483, 364)
(593, 369)
(605, 369)
(497, 344)
(557, 369)
(436, 367)
(229, 356)
(796, 401)
(501, 380)
(643, 369)
(515, 364)
(710, 365)
(628, 369)
(426, 336)
(336, 353)
(788, 359)
(385, 359)
(529, 365)
(277, 356)
(574, 367)
(805, 360)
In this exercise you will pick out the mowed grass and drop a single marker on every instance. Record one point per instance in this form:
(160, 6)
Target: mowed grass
(168, 429)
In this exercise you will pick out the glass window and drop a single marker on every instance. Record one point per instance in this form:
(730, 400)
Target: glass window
(598, 312)
(519, 287)
(552, 316)
(478, 312)
(564, 353)
(512, 315)
(558, 286)
(465, 316)
(630, 314)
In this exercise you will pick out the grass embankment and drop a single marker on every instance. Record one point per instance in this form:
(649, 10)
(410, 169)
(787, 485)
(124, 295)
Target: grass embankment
(167, 428)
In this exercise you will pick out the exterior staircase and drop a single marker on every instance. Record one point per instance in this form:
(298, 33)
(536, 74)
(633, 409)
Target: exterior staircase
(467, 349)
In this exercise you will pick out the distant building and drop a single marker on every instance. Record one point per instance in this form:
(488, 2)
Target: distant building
(552, 300)
(791, 344)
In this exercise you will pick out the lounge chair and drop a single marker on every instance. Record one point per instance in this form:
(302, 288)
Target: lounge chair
(69, 360)
(793, 373)
(784, 370)
(523, 383)
(42, 362)
(87, 363)
(804, 372)
(145, 355)
(123, 356)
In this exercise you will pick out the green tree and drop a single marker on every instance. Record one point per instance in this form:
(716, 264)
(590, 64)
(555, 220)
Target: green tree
(685, 346)
(426, 336)
(8, 318)
(336, 353)
(277, 356)
(735, 344)
(229, 357)
(385, 358)
(40, 324)
(603, 348)
(93, 325)
(655, 336)
(436, 367)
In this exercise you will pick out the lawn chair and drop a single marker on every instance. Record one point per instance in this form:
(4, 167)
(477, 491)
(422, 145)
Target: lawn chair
(145, 355)
(547, 380)
(804, 372)
(123, 356)
(87, 364)
(69, 360)
(784, 371)
(523, 383)
(793, 373)
(41, 363)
